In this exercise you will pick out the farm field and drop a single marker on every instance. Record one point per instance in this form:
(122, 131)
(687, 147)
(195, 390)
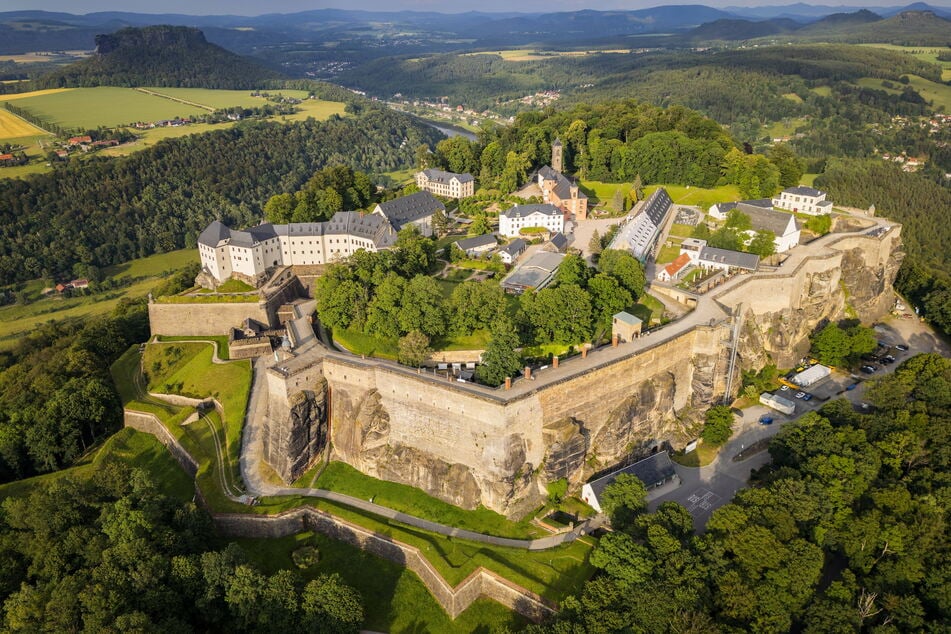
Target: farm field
(13, 127)
(105, 106)
(212, 98)
(144, 273)
(939, 95)
(530, 54)
(924, 53)
(148, 138)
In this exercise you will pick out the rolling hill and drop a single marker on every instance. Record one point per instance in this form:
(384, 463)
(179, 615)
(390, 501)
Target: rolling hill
(159, 56)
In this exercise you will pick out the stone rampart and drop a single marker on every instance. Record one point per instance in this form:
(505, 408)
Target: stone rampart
(203, 318)
(150, 424)
(454, 600)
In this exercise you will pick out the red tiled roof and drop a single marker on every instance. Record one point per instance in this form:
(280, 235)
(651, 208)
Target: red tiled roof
(682, 260)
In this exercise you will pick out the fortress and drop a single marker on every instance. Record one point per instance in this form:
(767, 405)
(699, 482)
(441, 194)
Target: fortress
(471, 445)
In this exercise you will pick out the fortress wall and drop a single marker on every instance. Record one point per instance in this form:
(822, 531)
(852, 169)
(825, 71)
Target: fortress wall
(203, 319)
(783, 290)
(150, 424)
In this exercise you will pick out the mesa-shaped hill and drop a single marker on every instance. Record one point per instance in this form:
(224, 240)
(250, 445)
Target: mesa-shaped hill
(912, 28)
(160, 56)
(738, 30)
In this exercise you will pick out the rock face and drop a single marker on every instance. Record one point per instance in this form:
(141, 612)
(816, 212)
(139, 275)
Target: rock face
(499, 449)
(296, 435)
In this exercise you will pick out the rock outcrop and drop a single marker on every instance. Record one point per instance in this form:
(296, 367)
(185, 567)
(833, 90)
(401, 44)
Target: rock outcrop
(295, 433)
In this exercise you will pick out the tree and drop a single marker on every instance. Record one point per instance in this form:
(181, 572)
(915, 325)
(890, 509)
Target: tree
(561, 314)
(473, 305)
(501, 358)
(617, 202)
(763, 244)
(424, 157)
(479, 226)
(718, 425)
(637, 188)
(789, 165)
(457, 154)
(623, 499)
(625, 268)
(514, 173)
(594, 245)
(341, 302)
(413, 349)
(608, 297)
(417, 253)
(384, 309)
(736, 219)
(331, 606)
(831, 345)
(441, 223)
(280, 208)
(573, 270)
(422, 307)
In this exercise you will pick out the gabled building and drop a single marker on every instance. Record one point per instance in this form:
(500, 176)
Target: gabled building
(226, 252)
(804, 200)
(783, 225)
(725, 260)
(557, 190)
(653, 472)
(514, 219)
(479, 245)
(510, 252)
(640, 235)
(719, 211)
(675, 270)
(448, 184)
(416, 209)
(534, 274)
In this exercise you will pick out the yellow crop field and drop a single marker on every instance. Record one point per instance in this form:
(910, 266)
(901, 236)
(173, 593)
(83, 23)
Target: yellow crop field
(35, 93)
(12, 126)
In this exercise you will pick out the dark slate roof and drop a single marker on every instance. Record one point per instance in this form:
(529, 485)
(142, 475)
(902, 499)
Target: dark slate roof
(650, 471)
(476, 242)
(214, 234)
(407, 209)
(560, 241)
(562, 186)
(439, 176)
(515, 247)
(766, 219)
(657, 206)
(765, 203)
(556, 142)
(523, 211)
(748, 261)
(534, 272)
(803, 191)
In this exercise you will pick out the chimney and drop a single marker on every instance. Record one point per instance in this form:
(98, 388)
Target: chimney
(554, 361)
(614, 339)
(528, 372)
(508, 383)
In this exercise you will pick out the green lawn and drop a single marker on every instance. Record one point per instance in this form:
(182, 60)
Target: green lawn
(822, 91)
(698, 196)
(359, 343)
(145, 274)
(208, 298)
(648, 309)
(394, 599)
(939, 95)
(213, 98)
(88, 108)
(699, 457)
(681, 231)
(235, 286)
(343, 478)
(221, 342)
(603, 192)
(786, 127)
(314, 108)
(668, 253)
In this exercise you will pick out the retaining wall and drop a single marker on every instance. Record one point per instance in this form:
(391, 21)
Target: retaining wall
(150, 424)
(480, 583)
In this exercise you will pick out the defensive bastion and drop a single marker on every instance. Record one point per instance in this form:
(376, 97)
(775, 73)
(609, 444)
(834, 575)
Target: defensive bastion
(471, 445)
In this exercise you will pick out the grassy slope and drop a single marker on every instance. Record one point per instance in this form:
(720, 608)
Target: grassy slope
(145, 273)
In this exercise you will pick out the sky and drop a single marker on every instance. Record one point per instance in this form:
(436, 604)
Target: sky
(256, 7)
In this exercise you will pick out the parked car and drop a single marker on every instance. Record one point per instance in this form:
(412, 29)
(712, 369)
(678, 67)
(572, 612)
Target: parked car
(888, 359)
(807, 397)
(867, 369)
(800, 394)
(765, 420)
(849, 388)
(902, 347)
(784, 388)
(736, 411)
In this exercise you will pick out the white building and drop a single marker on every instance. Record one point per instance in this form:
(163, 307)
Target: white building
(778, 403)
(725, 260)
(510, 252)
(783, 225)
(804, 200)
(448, 184)
(225, 252)
(719, 211)
(811, 375)
(641, 233)
(513, 220)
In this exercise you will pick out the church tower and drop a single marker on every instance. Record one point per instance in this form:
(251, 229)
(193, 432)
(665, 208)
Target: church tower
(557, 156)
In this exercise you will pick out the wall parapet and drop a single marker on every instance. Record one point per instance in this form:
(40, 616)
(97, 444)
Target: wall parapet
(150, 424)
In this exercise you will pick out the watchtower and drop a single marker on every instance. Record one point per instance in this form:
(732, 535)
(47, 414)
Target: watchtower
(557, 156)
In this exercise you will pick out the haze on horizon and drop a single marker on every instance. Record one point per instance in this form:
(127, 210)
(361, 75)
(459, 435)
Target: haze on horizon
(254, 7)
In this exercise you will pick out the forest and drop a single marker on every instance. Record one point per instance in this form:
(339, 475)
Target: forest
(846, 531)
(108, 211)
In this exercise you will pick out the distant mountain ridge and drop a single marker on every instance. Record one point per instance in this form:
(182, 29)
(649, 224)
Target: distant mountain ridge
(160, 56)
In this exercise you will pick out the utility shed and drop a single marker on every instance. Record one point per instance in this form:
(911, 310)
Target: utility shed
(778, 403)
(654, 471)
(811, 375)
(626, 326)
